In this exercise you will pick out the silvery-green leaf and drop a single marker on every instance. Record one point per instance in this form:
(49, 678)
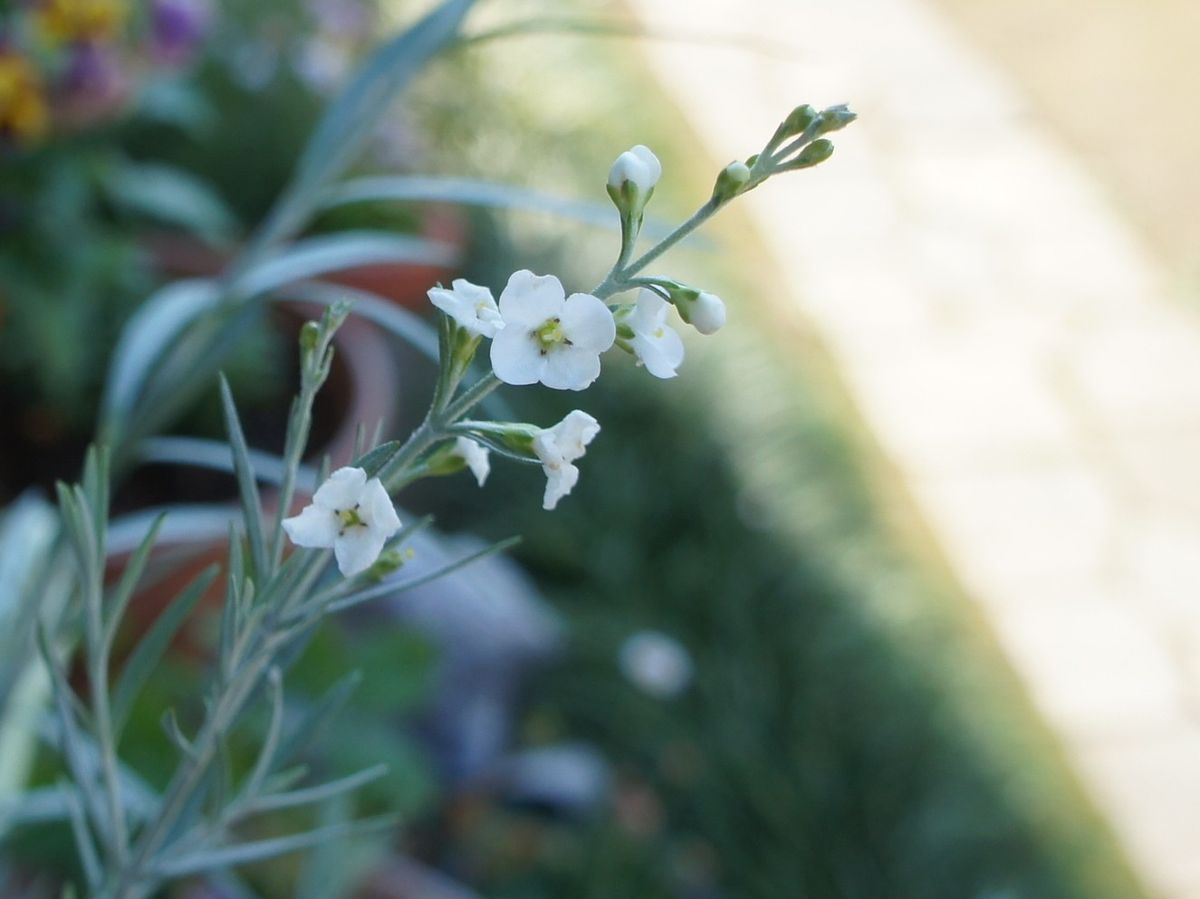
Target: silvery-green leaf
(197, 862)
(349, 122)
(151, 647)
(144, 340)
(329, 253)
(172, 196)
(247, 488)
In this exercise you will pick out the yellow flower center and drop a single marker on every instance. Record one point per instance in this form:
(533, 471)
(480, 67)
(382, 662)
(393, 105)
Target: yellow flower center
(350, 519)
(550, 335)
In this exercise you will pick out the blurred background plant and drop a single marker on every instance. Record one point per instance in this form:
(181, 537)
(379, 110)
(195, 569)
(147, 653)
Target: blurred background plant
(764, 691)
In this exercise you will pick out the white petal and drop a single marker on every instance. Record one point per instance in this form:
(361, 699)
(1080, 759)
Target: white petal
(313, 527)
(471, 305)
(653, 167)
(572, 435)
(475, 456)
(341, 490)
(376, 509)
(569, 368)
(628, 167)
(588, 323)
(529, 300)
(661, 352)
(650, 312)
(559, 482)
(356, 549)
(516, 358)
(452, 303)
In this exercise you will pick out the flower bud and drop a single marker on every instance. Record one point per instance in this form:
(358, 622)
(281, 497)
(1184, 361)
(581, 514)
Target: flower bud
(310, 336)
(632, 178)
(731, 181)
(702, 310)
(708, 313)
(798, 120)
(814, 154)
(638, 166)
(835, 118)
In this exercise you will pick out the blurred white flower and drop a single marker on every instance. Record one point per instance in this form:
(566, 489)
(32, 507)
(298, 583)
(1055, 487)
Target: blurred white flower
(476, 457)
(656, 345)
(350, 513)
(656, 662)
(637, 166)
(471, 305)
(550, 337)
(558, 447)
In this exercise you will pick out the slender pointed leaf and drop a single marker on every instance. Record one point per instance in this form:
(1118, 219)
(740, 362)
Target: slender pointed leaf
(197, 862)
(252, 513)
(134, 568)
(153, 645)
(145, 338)
(387, 588)
(328, 253)
(312, 723)
(319, 793)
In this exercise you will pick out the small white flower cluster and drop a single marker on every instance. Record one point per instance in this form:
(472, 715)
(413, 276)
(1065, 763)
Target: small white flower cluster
(539, 334)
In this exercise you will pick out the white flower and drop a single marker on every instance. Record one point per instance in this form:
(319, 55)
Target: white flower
(638, 166)
(558, 447)
(654, 342)
(476, 457)
(470, 305)
(350, 513)
(550, 337)
(656, 662)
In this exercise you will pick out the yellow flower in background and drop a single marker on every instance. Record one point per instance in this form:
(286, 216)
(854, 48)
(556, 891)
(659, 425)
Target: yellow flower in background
(62, 21)
(23, 111)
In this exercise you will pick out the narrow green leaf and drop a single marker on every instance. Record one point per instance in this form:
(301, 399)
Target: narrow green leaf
(328, 253)
(375, 459)
(468, 192)
(259, 850)
(252, 513)
(270, 743)
(83, 839)
(70, 739)
(172, 196)
(349, 122)
(319, 793)
(313, 722)
(134, 568)
(153, 645)
(387, 588)
(170, 726)
(148, 334)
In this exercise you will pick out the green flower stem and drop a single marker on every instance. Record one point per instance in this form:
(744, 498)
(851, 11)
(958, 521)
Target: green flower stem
(621, 278)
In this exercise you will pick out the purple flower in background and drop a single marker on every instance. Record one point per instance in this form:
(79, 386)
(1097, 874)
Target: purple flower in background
(177, 28)
(94, 83)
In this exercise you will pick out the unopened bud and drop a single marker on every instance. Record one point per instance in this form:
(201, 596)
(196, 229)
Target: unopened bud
(310, 336)
(798, 120)
(835, 118)
(708, 313)
(632, 178)
(702, 310)
(731, 181)
(814, 154)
